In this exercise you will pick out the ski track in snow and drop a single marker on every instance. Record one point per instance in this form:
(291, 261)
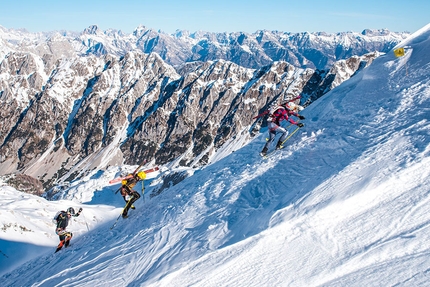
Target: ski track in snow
(345, 203)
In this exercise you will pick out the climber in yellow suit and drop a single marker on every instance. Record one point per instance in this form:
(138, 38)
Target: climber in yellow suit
(127, 192)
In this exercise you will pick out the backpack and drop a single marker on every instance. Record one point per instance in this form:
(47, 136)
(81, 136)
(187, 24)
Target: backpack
(274, 107)
(55, 219)
(272, 110)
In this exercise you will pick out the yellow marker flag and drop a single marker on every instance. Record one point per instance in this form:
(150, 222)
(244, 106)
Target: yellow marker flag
(399, 52)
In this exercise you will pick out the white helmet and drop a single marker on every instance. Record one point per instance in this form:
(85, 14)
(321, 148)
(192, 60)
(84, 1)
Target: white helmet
(293, 106)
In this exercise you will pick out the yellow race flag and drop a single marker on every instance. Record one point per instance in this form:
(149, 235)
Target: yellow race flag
(399, 52)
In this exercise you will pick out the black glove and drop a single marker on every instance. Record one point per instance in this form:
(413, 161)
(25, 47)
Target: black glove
(300, 125)
(301, 117)
(80, 209)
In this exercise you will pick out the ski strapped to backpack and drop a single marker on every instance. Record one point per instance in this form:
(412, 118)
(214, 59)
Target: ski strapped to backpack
(131, 175)
(274, 108)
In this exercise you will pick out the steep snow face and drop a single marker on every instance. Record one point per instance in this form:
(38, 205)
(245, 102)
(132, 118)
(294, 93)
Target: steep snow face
(346, 203)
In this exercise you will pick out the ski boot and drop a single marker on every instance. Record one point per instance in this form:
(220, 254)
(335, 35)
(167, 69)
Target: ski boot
(264, 152)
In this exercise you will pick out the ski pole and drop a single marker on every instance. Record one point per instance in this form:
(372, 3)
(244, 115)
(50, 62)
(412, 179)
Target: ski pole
(291, 134)
(137, 169)
(4, 254)
(86, 222)
(115, 221)
(143, 191)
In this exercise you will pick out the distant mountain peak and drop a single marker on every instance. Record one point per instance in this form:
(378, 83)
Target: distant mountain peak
(139, 31)
(92, 30)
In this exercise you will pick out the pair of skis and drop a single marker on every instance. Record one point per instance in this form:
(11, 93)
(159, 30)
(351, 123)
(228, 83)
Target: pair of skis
(267, 111)
(115, 180)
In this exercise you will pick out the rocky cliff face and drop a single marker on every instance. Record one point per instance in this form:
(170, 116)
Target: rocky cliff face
(64, 113)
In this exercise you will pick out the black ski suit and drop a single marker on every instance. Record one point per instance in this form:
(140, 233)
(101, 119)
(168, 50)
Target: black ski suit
(62, 223)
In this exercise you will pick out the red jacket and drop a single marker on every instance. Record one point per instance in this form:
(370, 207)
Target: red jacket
(283, 114)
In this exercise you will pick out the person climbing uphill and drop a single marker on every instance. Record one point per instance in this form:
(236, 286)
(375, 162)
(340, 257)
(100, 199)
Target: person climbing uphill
(276, 116)
(62, 219)
(127, 192)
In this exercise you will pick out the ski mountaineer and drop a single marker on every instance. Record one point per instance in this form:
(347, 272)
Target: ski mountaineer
(127, 192)
(62, 219)
(280, 113)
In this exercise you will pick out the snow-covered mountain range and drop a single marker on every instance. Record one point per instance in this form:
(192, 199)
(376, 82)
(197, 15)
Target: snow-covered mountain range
(346, 203)
(305, 50)
(77, 102)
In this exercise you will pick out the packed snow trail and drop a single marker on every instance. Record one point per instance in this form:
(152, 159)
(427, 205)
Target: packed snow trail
(346, 203)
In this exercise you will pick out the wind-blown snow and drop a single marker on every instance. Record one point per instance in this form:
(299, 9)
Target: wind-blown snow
(346, 203)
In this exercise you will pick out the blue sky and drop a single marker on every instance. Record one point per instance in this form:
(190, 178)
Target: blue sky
(224, 16)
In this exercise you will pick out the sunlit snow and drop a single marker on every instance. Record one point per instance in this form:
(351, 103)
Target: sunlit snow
(346, 203)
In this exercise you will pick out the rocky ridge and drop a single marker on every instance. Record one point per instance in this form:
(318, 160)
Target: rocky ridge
(68, 111)
(317, 50)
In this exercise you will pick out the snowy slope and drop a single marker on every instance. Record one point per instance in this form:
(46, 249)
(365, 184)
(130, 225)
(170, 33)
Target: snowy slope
(346, 203)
